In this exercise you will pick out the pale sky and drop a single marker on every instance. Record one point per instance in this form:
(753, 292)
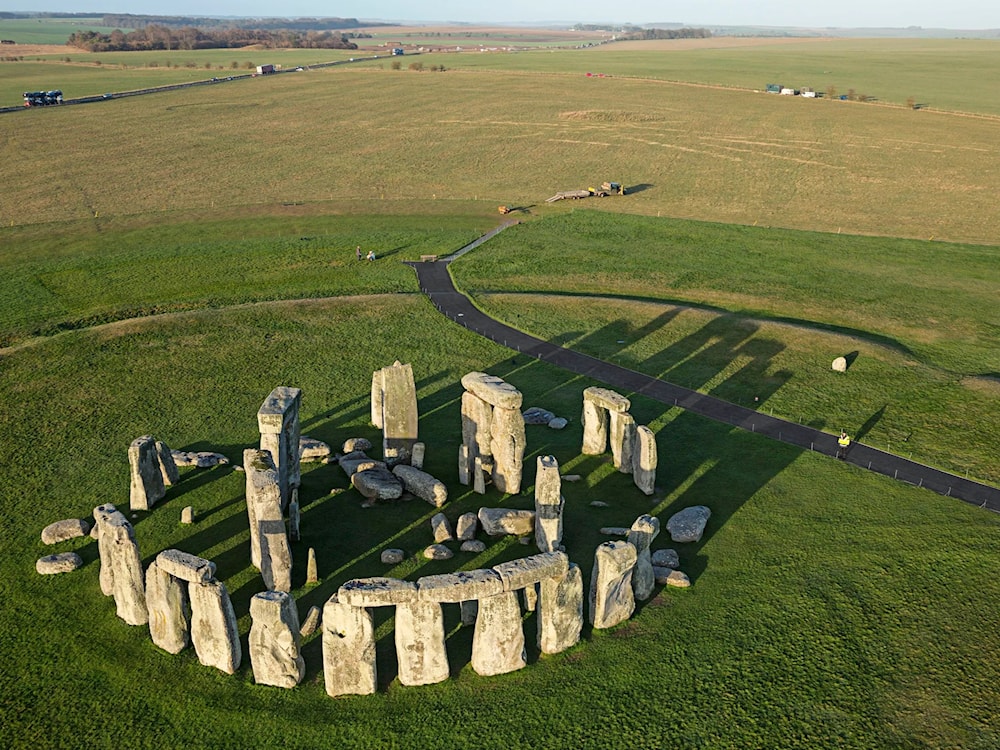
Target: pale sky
(954, 14)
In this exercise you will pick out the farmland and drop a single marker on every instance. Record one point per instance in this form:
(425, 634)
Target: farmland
(167, 260)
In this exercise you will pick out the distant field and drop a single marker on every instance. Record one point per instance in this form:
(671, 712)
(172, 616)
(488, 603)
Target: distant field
(46, 30)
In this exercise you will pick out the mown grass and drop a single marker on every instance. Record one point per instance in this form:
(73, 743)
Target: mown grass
(830, 608)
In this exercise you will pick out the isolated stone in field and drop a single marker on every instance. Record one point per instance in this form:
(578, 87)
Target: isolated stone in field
(689, 524)
(278, 421)
(611, 597)
(548, 504)
(644, 460)
(378, 484)
(311, 622)
(63, 562)
(274, 640)
(167, 602)
(168, 467)
(498, 641)
(185, 566)
(214, 633)
(61, 531)
(187, 514)
(311, 449)
(394, 410)
(441, 528)
(393, 556)
(623, 438)
(643, 532)
(420, 645)
(503, 521)
(312, 572)
(473, 545)
(560, 611)
(839, 364)
(146, 485)
(438, 552)
(348, 649)
(422, 484)
(377, 591)
(466, 527)
(665, 558)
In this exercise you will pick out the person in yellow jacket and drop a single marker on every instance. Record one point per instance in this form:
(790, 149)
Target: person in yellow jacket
(843, 443)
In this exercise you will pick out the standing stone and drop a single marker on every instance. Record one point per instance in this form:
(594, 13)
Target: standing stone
(417, 458)
(441, 528)
(274, 640)
(498, 641)
(294, 517)
(146, 486)
(187, 515)
(548, 504)
(214, 633)
(560, 611)
(623, 439)
(466, 527)
(839, 364)
(611, 597)
(166, 601)
(348, 649)
(479, 476)
(278, 421)
(644, 460)
(530, 596)
(643, 532)
(106, 575)
(469, 611)
(397, 397)
(420, 646)
(128, 588)
(595, 429)
(262, 487)
(312, 574)
(477, 420)
(507, 442)
(168, 467)
(311, 622)
(464, 467)
(267, 523)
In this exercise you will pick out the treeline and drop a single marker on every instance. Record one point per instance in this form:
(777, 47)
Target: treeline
(160, 37)
(684, 33)
(131, 21)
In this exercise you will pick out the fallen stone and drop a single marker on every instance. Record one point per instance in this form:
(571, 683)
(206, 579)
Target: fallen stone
(688, 525)
(599, 504)
(348, 649)
(199, 459)
(571, 477)
(558, 423)
(357, 444)
(311, 449)
(64, 562)
(274, 640)
(473, 545)
(665, 558)
(611, 598)
(377, 591)
(187, 514)
(498, 641)
(61, 531)
(560, 611)
(186, 567)
(614, 531)
(502, 521)
(354, 462)
(393, 556)
(839, 364)
(466, 527)
(493, 390)
(311, 623)
(378, 484)
(422, 484)
(671, 577)
(438, 552)
(526, 571)
(537, 415)
(441, 528)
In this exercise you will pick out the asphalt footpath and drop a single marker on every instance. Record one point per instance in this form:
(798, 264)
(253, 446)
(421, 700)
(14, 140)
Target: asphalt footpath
(436, 283)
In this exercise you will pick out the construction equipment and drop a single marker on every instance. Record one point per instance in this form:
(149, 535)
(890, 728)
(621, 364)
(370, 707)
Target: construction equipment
(606, 189)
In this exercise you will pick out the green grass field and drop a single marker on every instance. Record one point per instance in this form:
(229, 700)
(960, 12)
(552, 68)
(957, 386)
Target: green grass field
(168, 260)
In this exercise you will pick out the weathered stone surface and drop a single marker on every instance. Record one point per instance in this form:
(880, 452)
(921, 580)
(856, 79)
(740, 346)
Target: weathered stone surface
(168, 467)
(614, 531)
(294, 517)
(422, 484)
(464, 466)
(311, 449)
(377, 591)
(558, 423)
(438, 552)
(274, 640)
(378, 484)
(399, 417)
(689, 524)
(199, 459)
(611, 597)
(526, 571)
(187, 515)
(548, 504)
(214, 633)
(479, 476)
(357, 444)
(462, 585)
(61, 531)
(278, 421)
(595, 428)
(106, 576)
(560, 611)
(507, 443)
(643, 532)
(186, 567)
(418, 454)
(166, 602)
(671, 577)
(261, 489)
(606, 399)
(493, 390)
(473, 545)
(357, 461)
(441, 528)
(146, 484)
(312, 571)
(393, 556)
(839, 364)
(498, 641)
(466, 527)
(125, 563)
(622, 436)
(311, 622)
(269, 547)
(420, 647)
(644, 460)
(348, 649)
(63, 562)
(530, 596)
(469, 610)
(502, 521)
(665, 558)
(477, 420)
(537, 415)
(599, 504)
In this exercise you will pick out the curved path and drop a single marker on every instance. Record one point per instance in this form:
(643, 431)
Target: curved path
(436, 282)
